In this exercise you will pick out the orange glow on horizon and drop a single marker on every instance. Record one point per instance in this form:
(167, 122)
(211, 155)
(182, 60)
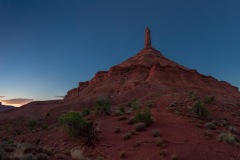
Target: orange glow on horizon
(15, 105)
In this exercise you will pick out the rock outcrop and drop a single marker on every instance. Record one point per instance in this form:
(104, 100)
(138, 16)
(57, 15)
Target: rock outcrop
(149, 73)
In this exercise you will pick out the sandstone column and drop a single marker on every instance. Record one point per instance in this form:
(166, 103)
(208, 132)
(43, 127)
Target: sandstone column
(147, 38)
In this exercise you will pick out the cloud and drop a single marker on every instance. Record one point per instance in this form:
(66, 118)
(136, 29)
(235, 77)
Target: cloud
(60, 96)
(17, 101)
(2, 96)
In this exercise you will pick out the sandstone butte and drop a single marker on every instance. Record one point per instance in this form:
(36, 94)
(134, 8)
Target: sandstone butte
(147, 76)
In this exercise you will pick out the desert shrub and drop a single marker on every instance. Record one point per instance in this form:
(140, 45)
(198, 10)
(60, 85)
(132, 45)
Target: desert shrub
(121, 109)
(207, 134)
(122, 118)
(77, 154)
(85, 112)
(122, 155)
(117, 129)
(32, 124)
(102, 107)
(135, 104)
(127, 136)
(76, 125)
(148, 104)
(155, 133)
(44, 150)
(193, 95)
(100, 158)
(29, 156)
(42, 156)
(44, 126)
(210, 125)
(25, 147)
(232, 129)
(163, 153)
(144, 117)
(139, 126)
(208, 99)
(173, 157)
(3, 154)
(227, 138)
(48, 114)
(159, 142)
(200, 110)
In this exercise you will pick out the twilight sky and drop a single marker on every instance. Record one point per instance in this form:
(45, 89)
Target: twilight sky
(48, 46)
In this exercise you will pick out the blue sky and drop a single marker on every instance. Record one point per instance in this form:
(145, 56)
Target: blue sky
(48, 46)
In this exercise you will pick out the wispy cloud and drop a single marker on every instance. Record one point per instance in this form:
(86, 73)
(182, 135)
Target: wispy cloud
(17, 101)
(59, 96)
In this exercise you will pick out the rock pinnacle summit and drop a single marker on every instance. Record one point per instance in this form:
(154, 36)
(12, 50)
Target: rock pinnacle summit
(147, 43)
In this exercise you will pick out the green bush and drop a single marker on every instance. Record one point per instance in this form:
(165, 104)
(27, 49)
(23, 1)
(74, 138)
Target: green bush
(159, 142)
(127, 136)
(155, 133)
(121, 109)
(122, 118)
(144, 117)
(210, 125)
(193, 95)
(122, 155)
(102, 107)
(25, 147)
(85, 112)
(227, 138)
(75, 124)
(117, 129)
(3, 154)
(208, 99)
(32, 124)
(139, 127)
(200, 110)
(100, 158)
(42, 156)
(148, 104)
(134, 104)
(29, 156)
(44, 126)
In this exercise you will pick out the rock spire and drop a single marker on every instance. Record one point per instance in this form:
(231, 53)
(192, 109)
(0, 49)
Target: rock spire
(147, 43)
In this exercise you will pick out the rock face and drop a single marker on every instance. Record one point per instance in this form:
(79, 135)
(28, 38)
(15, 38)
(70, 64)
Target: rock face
(149, 74)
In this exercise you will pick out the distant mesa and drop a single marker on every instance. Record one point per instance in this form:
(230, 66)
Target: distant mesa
(5, 107)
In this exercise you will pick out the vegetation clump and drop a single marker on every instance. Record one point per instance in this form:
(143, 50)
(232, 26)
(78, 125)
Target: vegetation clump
(200, 110)
(127, 136)
(208, 99)
(135, 104)
(122, 155)
(77, 126)
(148, 104)
(210, 125)
(193, 95)
(117, 129)
(155, 133)
(144, 117)
(139, 127)
(102, 107)
(121, 109)
(32, 124)
(85, 112)
(228, 138)
(78, 154)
